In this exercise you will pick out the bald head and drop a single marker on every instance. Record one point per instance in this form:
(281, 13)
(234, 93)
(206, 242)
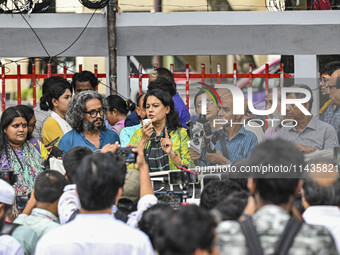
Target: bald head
(334, 88)
(335, 76)
(224, 92)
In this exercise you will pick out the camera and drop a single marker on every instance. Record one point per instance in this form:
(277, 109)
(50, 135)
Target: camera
(128, 154)
(202, 135)
(21, 201)
(177, 177)
(9, 175)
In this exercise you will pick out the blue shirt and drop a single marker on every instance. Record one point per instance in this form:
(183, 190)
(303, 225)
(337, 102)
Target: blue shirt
(127, 133)
(183, 112)
(240, 146)
(73, 139)
(132, 120)
(332, 116)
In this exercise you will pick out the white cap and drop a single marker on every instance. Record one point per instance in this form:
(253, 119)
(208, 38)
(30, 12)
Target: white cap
(7, 193)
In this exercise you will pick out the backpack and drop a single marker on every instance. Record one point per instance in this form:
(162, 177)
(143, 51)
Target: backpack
(282, 246)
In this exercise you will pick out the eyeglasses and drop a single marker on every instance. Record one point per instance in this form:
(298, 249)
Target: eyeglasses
(94, 113)
(209, 102)
(329, 88)
(323, 80)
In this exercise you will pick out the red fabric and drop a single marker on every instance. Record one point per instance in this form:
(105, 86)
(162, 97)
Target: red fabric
(322, 5)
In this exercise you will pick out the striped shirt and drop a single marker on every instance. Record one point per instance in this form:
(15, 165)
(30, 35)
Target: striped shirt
(317, 134)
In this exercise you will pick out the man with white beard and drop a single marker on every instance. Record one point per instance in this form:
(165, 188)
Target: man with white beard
(274, 126)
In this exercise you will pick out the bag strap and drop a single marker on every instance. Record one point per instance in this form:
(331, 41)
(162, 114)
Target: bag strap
(282, 246)
(223, 145)
(9, 228)
(253, 241)
(118, 128)
(286, 240)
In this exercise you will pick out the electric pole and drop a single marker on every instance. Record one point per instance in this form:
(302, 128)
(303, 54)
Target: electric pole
(112, 44)
(158, 8)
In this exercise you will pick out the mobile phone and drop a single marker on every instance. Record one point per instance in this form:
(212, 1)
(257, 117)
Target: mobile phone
(146, 121)
(53, 142)
(56, 152)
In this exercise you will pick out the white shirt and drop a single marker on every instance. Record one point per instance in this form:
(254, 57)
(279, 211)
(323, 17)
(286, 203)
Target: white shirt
(68, 203)
(144, 203)
(10, 246)
(327, 216)
(94, 234)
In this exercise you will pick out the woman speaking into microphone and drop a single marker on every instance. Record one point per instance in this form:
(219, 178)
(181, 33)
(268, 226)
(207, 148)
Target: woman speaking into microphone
(164, 141)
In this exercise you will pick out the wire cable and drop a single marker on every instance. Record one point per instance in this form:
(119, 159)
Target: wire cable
(81, 33)
(33, 30)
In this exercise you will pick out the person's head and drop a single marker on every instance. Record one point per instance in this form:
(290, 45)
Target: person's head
(280, 154)
(325, 75)
(48, 188)
(100, 179)
(189, 231)
(163, 84)
(211, 107)
(293, 112)
(118, 108)
(232, 206)
(56, 96)
(162, 72)
(269, 102)
(13, 126)
(86, 112)
(152, 217)
(215, 191)
(30, 116)
(84, 80)
(7, 195)
(72, 160)
(140, 109)
(226, 110)
(159, 107)
(322, 187)
(334, 88)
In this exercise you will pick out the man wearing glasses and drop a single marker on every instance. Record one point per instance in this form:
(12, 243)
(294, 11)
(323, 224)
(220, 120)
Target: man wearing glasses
(326, 111)
(86, 117)
(307, 133)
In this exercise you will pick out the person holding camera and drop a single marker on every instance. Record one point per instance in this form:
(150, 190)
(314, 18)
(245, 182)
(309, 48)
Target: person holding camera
(95, 230)
(164, 141)
(17, 153)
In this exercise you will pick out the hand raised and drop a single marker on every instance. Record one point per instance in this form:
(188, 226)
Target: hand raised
(166, 143)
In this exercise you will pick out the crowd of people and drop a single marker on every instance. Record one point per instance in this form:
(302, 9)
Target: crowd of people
(101, 204)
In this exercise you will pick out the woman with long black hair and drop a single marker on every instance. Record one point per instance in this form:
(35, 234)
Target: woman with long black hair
(16, 152)
(164, 140)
